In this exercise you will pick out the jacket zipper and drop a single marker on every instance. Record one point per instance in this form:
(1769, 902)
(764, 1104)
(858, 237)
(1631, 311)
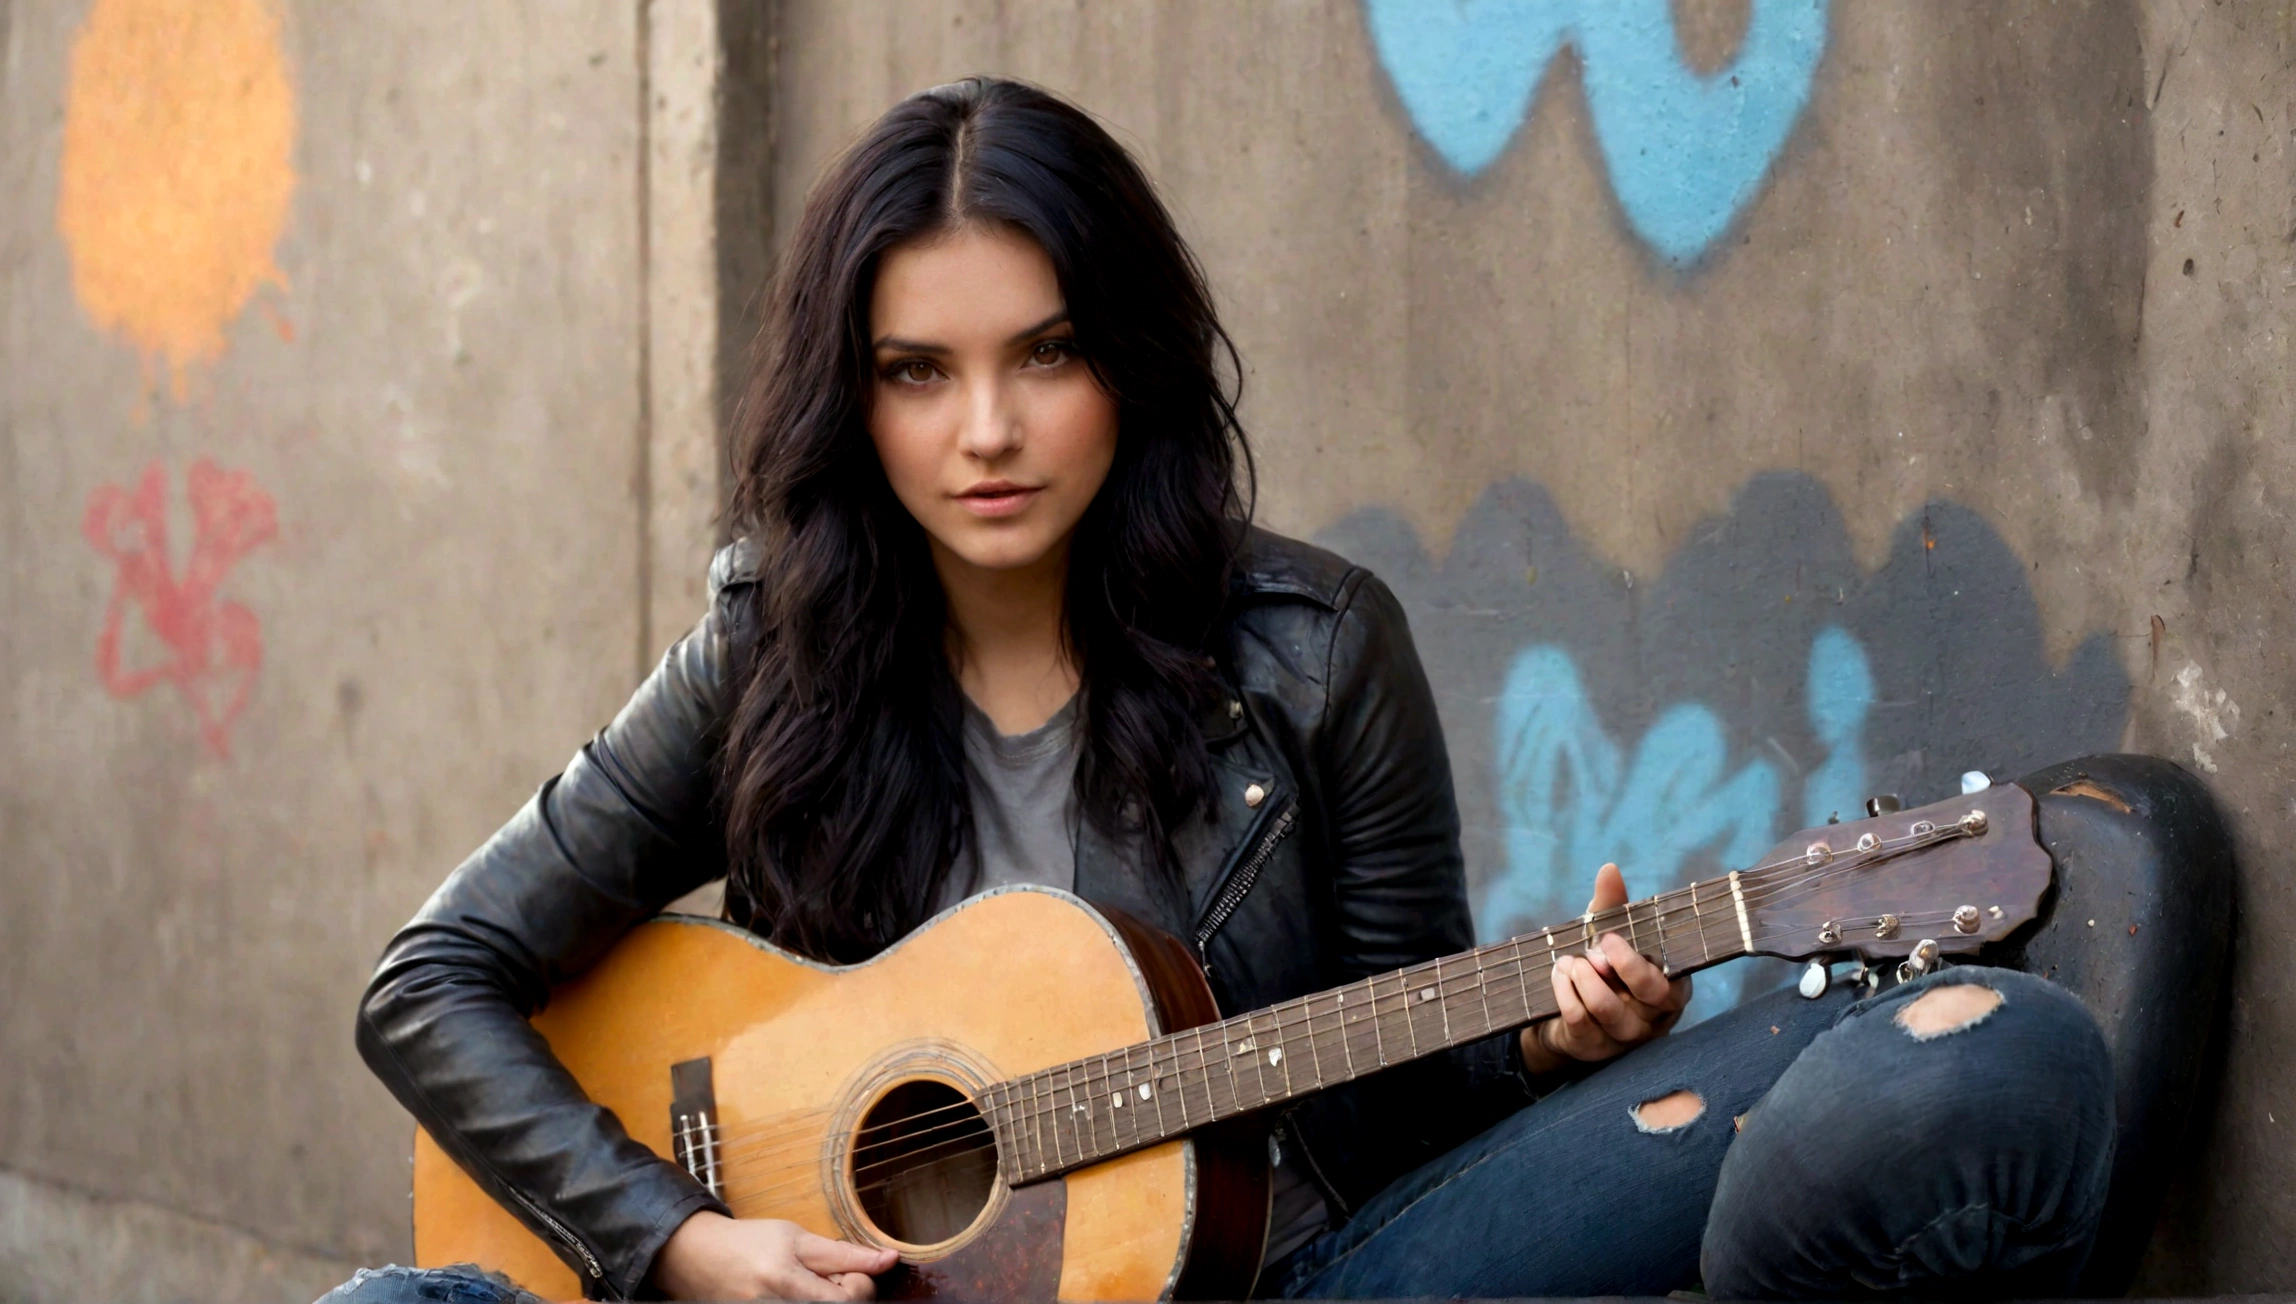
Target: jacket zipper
(566, 1237)
(1240, 882)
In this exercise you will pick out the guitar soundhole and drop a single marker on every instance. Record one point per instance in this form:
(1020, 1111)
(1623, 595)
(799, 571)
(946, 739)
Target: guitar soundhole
(924, 1163)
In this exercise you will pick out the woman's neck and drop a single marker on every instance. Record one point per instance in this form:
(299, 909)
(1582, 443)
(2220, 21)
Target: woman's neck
(1008, 638)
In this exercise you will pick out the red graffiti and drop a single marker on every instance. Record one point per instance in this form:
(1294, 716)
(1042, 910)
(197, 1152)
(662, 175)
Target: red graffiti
(216, 648)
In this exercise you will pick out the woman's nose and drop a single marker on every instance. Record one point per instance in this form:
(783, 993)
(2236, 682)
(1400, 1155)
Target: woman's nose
(991, 423)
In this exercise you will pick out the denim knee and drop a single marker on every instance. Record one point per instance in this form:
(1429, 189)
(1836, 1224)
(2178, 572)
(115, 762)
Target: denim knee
(1954, 1132)
(463, 1283)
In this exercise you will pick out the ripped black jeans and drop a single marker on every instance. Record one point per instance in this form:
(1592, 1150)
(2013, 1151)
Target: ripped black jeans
(1835, 1152)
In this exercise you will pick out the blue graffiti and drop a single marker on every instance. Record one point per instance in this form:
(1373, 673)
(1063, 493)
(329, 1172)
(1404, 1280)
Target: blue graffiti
(1841, 694)
(1686, 152)
(1572, 800)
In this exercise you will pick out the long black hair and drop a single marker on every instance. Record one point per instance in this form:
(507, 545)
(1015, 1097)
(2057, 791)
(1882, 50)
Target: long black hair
(842, 776)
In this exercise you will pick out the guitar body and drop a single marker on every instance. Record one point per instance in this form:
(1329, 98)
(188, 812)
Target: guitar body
(804, 1058)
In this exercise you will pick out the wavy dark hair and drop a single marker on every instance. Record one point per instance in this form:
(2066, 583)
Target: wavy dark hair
(842, 777)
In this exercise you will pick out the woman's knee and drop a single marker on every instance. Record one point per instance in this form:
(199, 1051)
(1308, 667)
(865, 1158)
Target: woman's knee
(1994, 1031)
(1971, 1056)
(1974, 1089)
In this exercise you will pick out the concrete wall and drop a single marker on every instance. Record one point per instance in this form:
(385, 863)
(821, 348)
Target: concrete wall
(328, 445)
(1758, 404)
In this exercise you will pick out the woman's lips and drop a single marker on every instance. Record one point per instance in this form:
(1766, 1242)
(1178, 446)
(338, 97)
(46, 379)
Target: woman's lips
(998, 499)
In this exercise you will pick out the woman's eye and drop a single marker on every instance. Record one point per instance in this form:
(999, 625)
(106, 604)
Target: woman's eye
(913, 371)
(1050, 352)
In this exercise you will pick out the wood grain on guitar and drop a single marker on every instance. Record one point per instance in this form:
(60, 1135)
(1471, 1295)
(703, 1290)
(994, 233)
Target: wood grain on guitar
(933, 1099)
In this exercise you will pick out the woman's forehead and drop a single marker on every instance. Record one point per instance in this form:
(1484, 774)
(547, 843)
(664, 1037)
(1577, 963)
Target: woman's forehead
(974, 284)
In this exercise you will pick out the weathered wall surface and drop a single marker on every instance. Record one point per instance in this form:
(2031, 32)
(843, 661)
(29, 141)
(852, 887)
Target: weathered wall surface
(320, 401)
(1759, 403)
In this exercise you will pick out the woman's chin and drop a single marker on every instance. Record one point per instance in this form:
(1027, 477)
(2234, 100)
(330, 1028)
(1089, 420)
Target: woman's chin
(999, 555)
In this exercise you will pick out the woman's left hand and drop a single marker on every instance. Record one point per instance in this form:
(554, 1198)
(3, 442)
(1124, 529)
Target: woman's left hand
(1611, 999)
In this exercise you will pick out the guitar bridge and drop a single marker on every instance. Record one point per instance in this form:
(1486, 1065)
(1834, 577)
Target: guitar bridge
(693, 1124)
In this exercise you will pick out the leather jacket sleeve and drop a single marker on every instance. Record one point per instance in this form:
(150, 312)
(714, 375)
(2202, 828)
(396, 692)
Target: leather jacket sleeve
(1400, 890)
(626, 829)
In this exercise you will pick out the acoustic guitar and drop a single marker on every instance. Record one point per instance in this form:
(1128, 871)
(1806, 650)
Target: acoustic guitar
(1028, 1097)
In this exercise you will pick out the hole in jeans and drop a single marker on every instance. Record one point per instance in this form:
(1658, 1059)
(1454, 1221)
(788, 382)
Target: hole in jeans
(1668, 1113)
(1943, 1011)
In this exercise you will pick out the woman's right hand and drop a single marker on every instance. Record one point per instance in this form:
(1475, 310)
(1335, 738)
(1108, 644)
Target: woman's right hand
(712, 1256)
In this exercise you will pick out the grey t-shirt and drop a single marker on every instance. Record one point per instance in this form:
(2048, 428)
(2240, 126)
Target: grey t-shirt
(1023, 793)
(1025, 818)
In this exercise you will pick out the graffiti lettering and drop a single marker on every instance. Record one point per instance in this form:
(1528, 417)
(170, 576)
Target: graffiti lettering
(1685, 152)
(215, 648)
(1762, 683)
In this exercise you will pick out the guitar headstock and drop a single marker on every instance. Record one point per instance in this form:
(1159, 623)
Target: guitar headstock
(1963, 872)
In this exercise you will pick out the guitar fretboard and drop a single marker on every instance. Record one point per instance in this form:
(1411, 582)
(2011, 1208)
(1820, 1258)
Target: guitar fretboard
(1082, 1112)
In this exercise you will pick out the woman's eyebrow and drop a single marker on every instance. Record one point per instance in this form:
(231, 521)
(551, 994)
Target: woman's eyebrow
(1040, 328)
(899, 345)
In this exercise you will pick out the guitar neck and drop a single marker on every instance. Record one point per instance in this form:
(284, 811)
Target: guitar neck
(1082, 1112)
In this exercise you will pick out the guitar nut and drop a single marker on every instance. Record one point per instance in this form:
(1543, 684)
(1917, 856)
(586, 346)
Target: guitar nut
(1868, 842)
(1831, 933)
(1818, 853)
(1885, 927)
(1965, 919)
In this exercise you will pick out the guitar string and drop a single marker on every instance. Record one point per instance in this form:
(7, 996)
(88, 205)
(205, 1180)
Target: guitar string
(1351, 1029)
(1509, 968)
(1484, 980)
(1658, 916)
(1515, 968)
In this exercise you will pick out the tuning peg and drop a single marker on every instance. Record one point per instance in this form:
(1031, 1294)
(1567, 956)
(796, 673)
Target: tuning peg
(1816, 979)
(1923, 959)
(1887, 803)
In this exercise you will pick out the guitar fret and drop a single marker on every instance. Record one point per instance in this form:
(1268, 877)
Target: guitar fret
(1211, 1081)
(1378, 1038)
(1523, 979)
(1257, 1040)
(1036, 1121)
(1151, 1094)
(1403, 1014)
(1698, 916)
(1180, 1082)
(1120, 1095)
(1052, 1114)
(1483, 992)
(1315, 1045)
(1658, 924)
(1443, 1002)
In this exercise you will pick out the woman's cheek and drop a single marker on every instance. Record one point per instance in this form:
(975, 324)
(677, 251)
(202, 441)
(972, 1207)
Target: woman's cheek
(1086, 422)
(901, 428)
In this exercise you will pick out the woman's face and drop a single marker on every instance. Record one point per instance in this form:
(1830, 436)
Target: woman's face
(991, 428)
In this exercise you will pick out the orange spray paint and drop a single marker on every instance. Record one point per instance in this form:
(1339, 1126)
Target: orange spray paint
(177, 172)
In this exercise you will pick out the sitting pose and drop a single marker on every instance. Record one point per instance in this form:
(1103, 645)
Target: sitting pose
(998, 616)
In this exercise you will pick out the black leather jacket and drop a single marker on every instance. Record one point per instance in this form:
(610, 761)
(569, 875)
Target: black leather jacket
(1347, 866)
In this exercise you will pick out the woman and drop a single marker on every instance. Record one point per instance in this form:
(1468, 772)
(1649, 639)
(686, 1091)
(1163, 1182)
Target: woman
(999, 617)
